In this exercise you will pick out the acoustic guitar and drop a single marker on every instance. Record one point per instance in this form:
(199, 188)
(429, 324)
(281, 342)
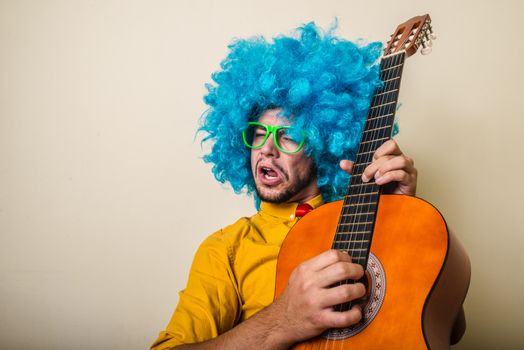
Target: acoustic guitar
(417, 273)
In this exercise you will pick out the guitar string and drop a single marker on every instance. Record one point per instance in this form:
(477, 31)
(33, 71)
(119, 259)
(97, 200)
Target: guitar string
(350, 216)
(349, 227)
(377, 140)
(347, 219)
(353, 218)
(345, 229)
(366, 158)
(387, 103)
(377, 123)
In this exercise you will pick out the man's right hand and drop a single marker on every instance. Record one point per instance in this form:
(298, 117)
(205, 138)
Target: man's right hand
(303, 311)
(306, 305)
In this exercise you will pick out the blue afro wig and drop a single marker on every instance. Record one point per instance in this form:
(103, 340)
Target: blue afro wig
(324, 82)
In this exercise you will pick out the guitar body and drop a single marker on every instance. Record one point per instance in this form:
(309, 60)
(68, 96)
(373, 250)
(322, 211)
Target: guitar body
(425, 274)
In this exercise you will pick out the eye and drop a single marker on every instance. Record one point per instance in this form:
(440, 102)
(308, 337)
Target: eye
(260, 132)
(288, 135)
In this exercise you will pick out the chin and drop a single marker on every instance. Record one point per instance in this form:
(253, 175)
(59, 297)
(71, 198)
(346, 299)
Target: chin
(274, 195)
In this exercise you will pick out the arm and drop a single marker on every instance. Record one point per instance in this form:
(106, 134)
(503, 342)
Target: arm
(303, 311)
(280, 325)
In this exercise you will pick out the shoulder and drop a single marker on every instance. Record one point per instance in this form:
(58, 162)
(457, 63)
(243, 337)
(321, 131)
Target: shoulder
(225, 241)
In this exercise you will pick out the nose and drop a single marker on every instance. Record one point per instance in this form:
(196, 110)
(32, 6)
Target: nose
(269, 149)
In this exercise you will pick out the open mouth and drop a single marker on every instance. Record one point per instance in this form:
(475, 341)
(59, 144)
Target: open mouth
(268, 175)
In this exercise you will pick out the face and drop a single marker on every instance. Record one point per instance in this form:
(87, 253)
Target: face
(281, 177)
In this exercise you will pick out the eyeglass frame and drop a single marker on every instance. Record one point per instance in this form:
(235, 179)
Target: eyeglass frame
(272, 129)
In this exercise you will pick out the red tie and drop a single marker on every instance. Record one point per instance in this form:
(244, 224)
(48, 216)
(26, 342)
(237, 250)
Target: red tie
(303, 209)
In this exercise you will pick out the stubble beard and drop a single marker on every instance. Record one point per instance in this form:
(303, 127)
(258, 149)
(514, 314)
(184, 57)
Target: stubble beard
(303, 181)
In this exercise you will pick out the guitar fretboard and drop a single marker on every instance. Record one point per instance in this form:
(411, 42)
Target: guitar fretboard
(357, 219)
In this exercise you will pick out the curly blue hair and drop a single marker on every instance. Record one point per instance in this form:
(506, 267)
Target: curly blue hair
(326, 83)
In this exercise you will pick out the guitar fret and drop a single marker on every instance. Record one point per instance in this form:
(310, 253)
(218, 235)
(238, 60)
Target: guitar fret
(385, 93)
(352, 215)
(363, 184)
(368, 146)
(349, 217)
(392, 79)
(389, 108)
(359, 204)
(354, 233)
(388, 72)
(380, 116)
(393, 67)
(348, 214)
(351, 196)
(355, 223)
(375, 129)
(376, 140)
(386, 96)
(392, 58)
(384, 104)
(353, 236)
(368, 152)
(365, 194)
(353, 241)
(384, 132)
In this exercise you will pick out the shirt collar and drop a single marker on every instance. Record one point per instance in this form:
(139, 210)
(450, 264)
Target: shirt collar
(287, 210)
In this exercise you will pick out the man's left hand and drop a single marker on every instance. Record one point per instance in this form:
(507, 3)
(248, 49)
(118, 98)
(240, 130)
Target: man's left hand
(389, 167)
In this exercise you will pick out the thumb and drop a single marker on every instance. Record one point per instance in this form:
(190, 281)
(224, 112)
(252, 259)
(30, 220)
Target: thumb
(346, 165)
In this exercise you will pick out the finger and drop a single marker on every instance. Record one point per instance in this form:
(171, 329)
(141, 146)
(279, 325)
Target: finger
(372, 168)
(394, 176)
(336, 319)
(389, 147)
(341, 294)
(327, 258)
(339, 271)
(403, 163)
(346, 165)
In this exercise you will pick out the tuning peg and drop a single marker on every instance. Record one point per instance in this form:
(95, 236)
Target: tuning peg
(426, 47)
(426, 50)
(432, 35)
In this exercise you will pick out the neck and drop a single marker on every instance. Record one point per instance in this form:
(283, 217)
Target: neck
(306, 194)
(355, 228)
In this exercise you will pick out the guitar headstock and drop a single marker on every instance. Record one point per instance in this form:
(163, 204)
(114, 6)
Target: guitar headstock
(410, 35)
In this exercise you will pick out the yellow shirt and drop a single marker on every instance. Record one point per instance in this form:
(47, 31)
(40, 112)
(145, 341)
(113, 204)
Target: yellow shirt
(232, 276)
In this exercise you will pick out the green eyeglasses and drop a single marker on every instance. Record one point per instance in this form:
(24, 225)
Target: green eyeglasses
(286, 138)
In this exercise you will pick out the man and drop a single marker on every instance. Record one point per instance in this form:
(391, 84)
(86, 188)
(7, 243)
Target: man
(283, 117)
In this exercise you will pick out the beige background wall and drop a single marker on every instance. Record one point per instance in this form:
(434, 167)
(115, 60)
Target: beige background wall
(103, 197)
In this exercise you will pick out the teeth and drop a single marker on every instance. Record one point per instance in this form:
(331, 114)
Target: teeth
(265, 172)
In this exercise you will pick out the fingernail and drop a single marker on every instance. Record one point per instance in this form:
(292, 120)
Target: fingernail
(364, 178)
(379, 180)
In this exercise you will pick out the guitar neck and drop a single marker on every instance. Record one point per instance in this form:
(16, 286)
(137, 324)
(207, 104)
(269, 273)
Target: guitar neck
(357, 219)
